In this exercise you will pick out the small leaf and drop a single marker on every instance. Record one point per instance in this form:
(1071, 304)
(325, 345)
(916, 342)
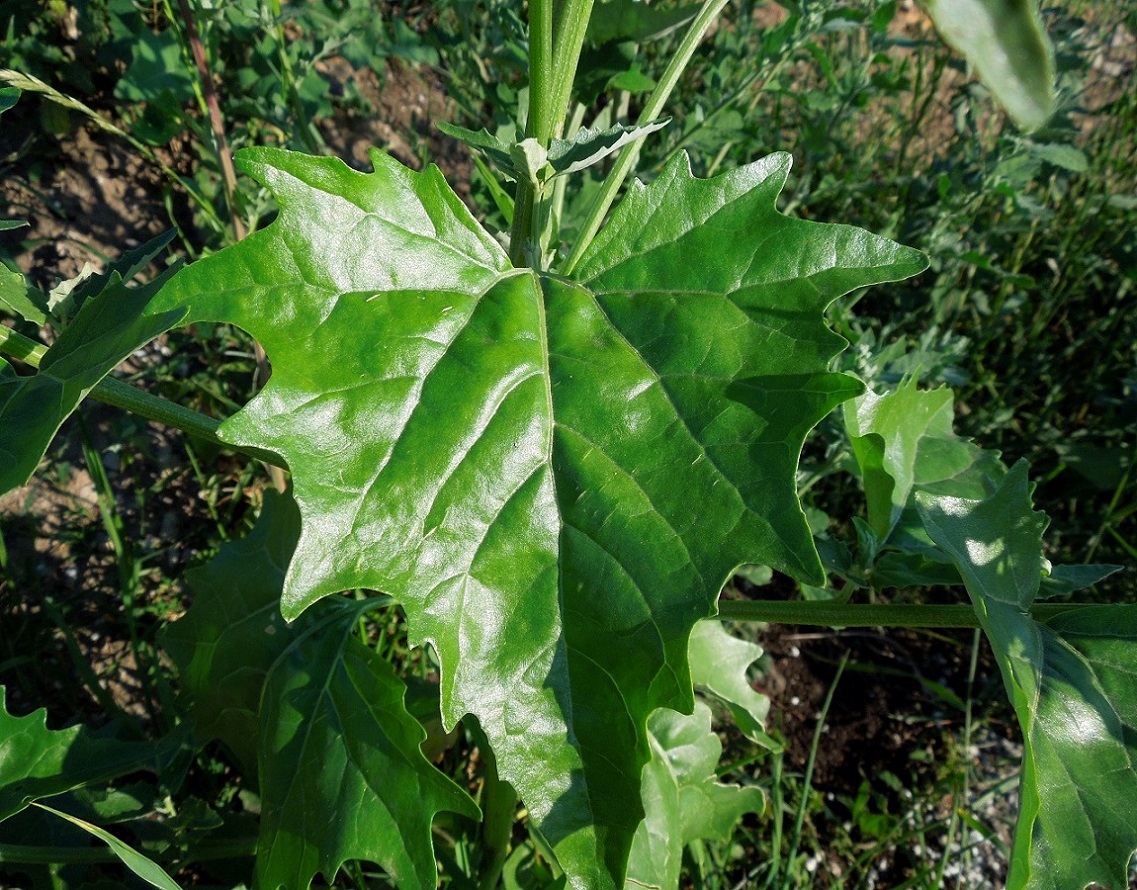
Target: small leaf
(589, 147)
(9, 96)
(1065, 156)
(1007, 45)
(7, 225)
(1064, 580)
(17, 297)
(1071, 681)
(497, 150)
(719, 666)
(108, 328)
(148, 870)
(682, 798)
(903, 440)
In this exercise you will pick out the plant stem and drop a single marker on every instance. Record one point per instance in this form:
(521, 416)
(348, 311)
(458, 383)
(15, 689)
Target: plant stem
(114, 392)
(571, 30)
(216, 123)
(651, 111)
(826, 614)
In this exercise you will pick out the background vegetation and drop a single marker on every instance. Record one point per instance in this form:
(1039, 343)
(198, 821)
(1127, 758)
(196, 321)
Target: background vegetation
(1029, 311)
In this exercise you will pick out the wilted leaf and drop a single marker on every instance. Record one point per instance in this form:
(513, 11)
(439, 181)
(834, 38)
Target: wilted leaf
(1071, 680)
(513, 456)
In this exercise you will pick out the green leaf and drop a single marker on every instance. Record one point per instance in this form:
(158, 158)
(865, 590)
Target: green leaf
(636, 20)
(903, 440)
(108, 328)
(1005, 42)
(7, 225)
(1071, 681)
(528, 162)
(590, 146)
(320, 714)
(513, 456)
(37, 762)
(149, 871)
(9, 96)
(229, 639)
(1064, 580)
(719, 666)
(682, 798)
(20, 299)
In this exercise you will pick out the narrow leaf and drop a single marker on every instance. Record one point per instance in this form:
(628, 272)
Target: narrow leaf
(590, 146)
(1005, 42)
(148, 870)
(1072, 683)
(513, 455)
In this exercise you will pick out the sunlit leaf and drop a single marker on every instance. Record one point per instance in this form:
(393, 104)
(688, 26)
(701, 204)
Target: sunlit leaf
(683, 800)
(513, 456)
(1072, 682)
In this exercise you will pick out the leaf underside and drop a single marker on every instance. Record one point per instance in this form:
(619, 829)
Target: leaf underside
(514, 456)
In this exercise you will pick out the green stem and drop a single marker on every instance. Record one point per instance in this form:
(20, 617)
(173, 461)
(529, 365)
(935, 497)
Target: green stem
(651, 111)
(114, 392)
(571, 30)
(825, 614)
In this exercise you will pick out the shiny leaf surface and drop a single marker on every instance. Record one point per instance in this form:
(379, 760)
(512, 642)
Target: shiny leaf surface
(513, 456)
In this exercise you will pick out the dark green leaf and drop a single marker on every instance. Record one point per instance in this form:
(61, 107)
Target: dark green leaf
(1071, 681)
(149, 871)
(1064, 580)
(588, 147)
(322, 717)
(9, 96)
(37, 762)
(635, 20)
(513, 455)
(1005, 42)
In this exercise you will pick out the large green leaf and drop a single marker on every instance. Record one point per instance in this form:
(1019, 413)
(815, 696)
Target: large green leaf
(1072, 683)
(514, 456)
(109, 327)
(682, 797)
(341, 773)
(1007, 45)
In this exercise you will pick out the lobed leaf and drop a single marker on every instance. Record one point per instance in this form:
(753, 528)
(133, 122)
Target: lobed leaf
(719, 666)
(37, 762)
(319, 714)
(513, 456)
(1071, 680)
